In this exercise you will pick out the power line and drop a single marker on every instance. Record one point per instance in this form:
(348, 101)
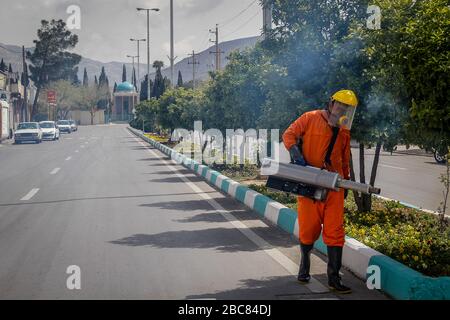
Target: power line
(224, 23)
(241, 26)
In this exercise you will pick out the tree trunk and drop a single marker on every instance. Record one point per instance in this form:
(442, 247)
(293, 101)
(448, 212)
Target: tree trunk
(356, 195)
(376, 161)
(361, 199)
(34, 107)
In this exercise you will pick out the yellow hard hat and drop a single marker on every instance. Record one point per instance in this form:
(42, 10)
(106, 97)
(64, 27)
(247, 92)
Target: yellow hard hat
(347, 97)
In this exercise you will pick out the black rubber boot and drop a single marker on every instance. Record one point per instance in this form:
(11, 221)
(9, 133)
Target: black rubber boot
(305, 263)
(334, 265)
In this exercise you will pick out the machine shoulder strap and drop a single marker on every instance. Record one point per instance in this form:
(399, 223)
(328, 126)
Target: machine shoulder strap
(331, 146)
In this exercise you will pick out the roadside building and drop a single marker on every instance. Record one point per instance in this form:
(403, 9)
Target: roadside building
(125, 100)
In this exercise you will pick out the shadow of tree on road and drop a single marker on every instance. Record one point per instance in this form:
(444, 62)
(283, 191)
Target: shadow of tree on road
(191, 205)
(221, 239)
(176, 179)
(271, 288)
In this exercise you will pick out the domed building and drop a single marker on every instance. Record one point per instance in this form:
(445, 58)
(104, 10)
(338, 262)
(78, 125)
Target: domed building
(125, 100)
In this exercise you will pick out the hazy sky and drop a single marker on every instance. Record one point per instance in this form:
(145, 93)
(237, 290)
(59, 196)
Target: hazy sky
(107, 25)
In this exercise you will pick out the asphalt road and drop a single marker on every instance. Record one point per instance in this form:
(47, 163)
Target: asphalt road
(409, 176)
(138, 227)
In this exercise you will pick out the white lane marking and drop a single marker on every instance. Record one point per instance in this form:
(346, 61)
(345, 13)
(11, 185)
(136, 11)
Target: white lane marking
(30, 194)
(393, 167)
(69, 158)
(76, 151)
(291, 267)
(55, 171)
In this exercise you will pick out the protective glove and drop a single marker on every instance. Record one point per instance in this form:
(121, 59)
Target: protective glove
(297, 157)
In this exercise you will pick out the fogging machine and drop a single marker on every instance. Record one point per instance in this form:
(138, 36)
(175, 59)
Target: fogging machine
(308, 182)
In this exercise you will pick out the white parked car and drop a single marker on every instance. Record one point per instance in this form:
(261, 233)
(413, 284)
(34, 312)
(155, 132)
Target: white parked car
(49, 130)
(28, 131)
(64, 126)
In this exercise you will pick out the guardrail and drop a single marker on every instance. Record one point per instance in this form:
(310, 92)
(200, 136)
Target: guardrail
(397, 280)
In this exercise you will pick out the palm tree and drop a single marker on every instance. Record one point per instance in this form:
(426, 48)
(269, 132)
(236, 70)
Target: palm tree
(158, 64)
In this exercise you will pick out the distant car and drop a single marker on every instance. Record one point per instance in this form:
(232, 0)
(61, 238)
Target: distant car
(28, 132)
(64, 126)
(49, 130)
(73, 125)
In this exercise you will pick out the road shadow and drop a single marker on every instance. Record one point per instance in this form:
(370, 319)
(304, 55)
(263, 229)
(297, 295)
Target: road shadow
(176, 179)
(225, 240)
(100, 198)
(181, 171)
(149, 159)
(212, 217)
(141, 148)
(188, 205)
(270, 288)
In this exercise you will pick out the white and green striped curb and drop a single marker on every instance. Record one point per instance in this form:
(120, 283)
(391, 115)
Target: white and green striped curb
(397, 280)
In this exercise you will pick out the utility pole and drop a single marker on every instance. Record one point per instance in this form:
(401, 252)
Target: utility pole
(24, 115)
(267, 19)
(133, 74)
(148, 49)
(172, 58)
(138, 58)
(217, 52)
(194, 63)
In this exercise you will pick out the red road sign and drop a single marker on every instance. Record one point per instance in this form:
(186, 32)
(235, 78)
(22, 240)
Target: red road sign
(51, 96)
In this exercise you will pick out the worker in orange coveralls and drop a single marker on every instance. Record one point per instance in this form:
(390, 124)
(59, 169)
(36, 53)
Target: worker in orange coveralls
(325, 143)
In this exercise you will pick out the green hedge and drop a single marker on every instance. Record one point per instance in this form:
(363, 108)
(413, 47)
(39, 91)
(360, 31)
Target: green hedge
(409, 236)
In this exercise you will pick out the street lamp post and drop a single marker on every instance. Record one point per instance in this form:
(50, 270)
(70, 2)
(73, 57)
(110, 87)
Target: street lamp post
(133, 74)
(148, 48)
(139, 63)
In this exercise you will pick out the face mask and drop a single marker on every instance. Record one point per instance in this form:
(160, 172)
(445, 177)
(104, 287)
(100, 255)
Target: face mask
(341, 116)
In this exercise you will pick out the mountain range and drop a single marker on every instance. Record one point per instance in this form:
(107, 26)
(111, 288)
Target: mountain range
(13, 54)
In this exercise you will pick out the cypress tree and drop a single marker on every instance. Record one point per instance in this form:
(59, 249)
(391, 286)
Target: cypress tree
(134, 80)
(10, 70)
(124, 74)
(85, 78)
(96, 81)
(102, 78)
(144, 89)
(180, 79)
(2, 66)
(159, 85)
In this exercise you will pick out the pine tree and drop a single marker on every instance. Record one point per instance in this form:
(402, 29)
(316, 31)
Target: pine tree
(96, 81)
(124, 74)
(180, 79)
(85, 78)
(10, 70)
(115, 87)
